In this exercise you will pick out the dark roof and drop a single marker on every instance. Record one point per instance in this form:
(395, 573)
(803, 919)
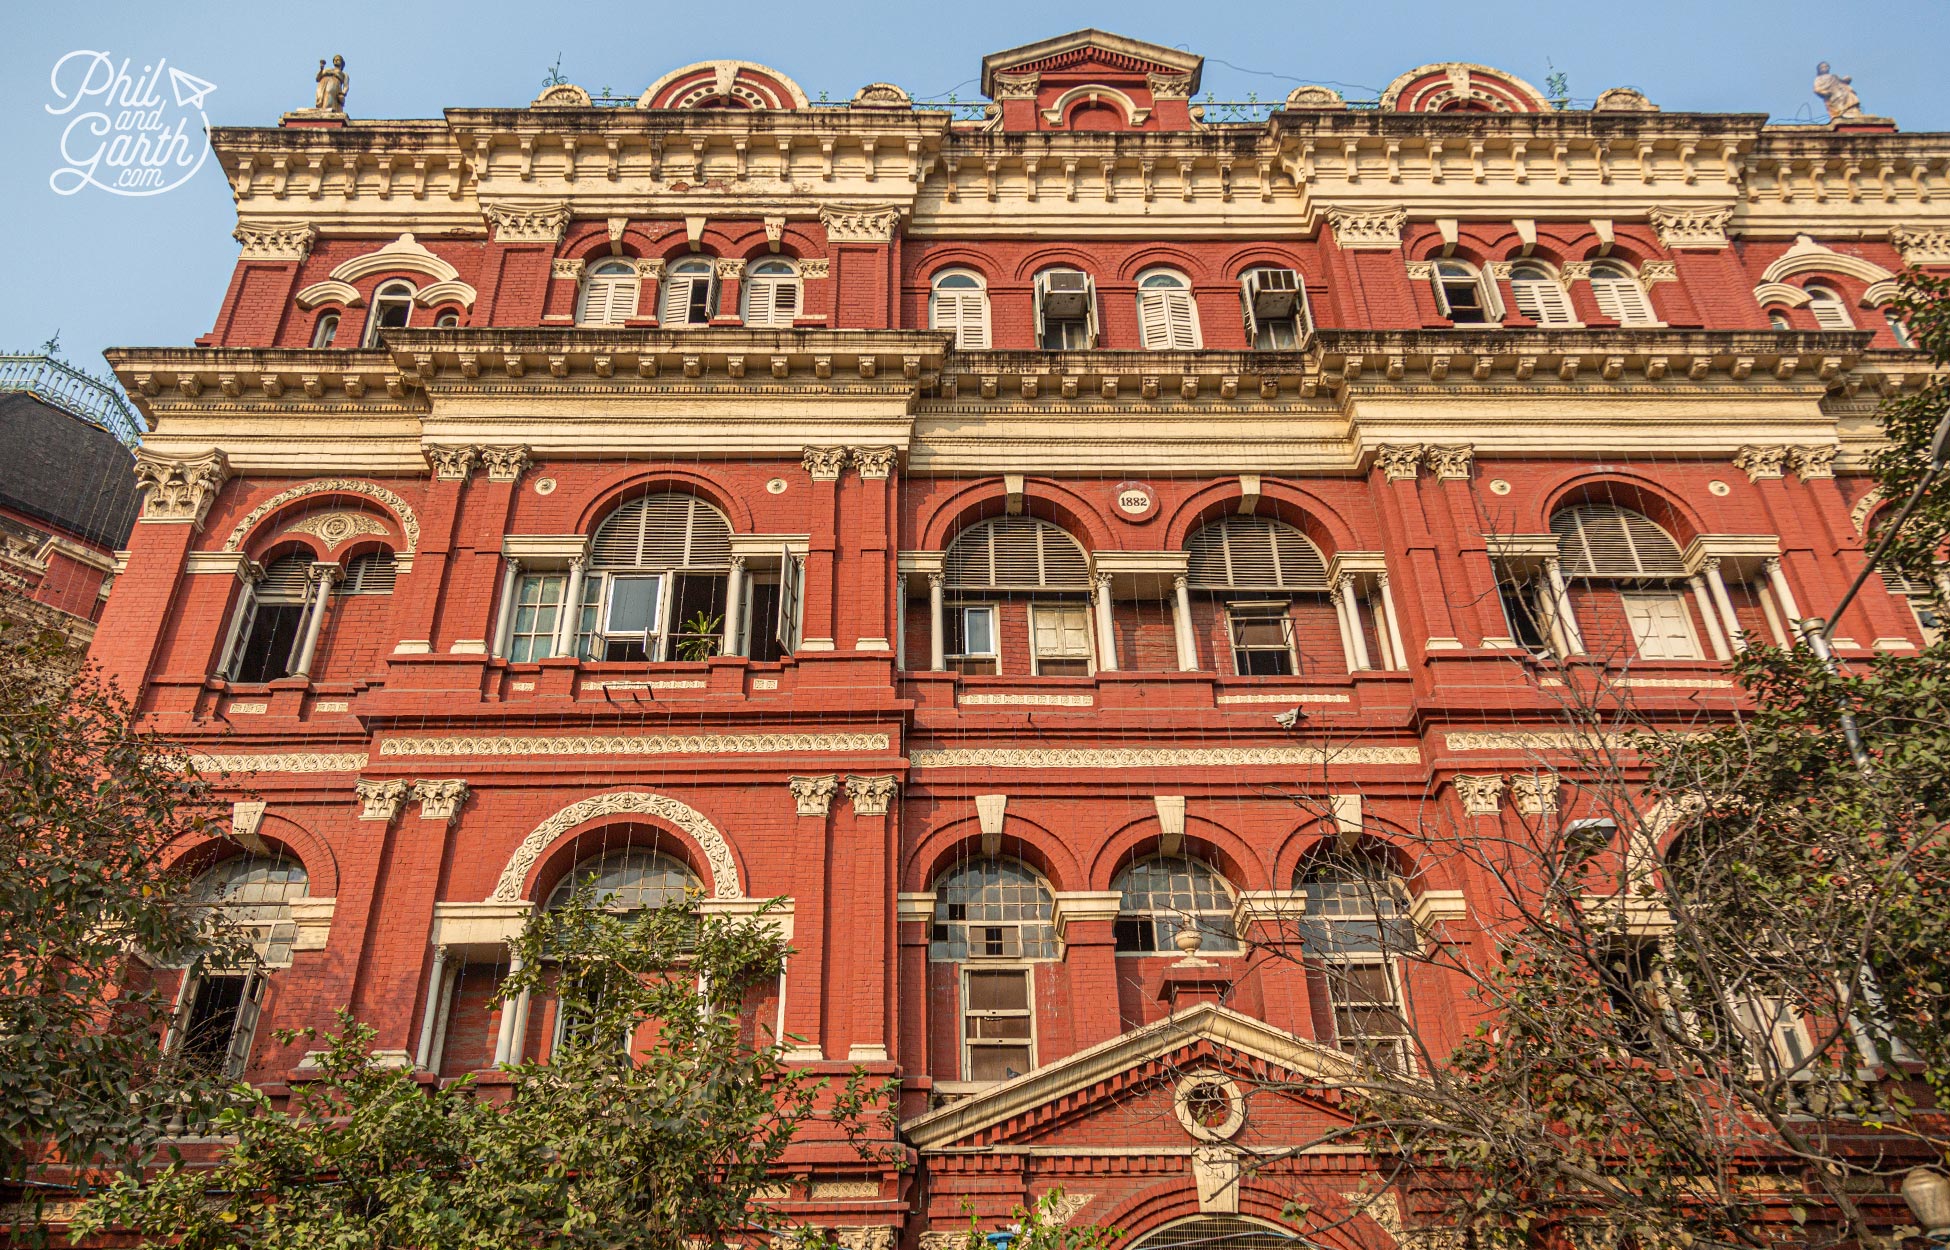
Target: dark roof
(60, 469)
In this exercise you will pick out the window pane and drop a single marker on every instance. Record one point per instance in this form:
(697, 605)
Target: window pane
(1258, 631)
(632, 605)
(998, 991)
(978, 631)
(997, 1063)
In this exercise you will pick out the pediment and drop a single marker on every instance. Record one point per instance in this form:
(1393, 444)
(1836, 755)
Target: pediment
(1130, 1076)
(1098, 54)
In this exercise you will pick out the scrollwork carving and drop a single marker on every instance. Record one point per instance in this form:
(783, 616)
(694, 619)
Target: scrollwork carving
(871, 796)
(1400, 462)
(409, 524)
(528, 223)
(717, 852)
(180, 488)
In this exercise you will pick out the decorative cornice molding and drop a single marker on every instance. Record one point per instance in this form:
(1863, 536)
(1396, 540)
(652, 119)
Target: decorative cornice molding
(499, 746)
(1367, 228)
(380, 800)
(1155, 757)
(440, 800)
(859, 223)
(871, 796)
(566, 269)
(1691, 227)
(275, 240)
(1481, 795)
(1536, 740)
(288, 762)
(527, 223)
(717, 852)
(1759, 462)
(1928, 245)
(409, 523)
(180, 488)
(813, 796)
(824, 463)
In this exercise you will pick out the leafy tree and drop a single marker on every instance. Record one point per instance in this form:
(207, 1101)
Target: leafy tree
(87, 909)
(658, 1120)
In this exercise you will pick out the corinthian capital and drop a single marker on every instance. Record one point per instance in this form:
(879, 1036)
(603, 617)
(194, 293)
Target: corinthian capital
(440, 800)
(1399, 462)
(873, 462)
(813, 796)
(1451, 464)
(871, 796)
(504, 464)
(180, 488)
(824, 463)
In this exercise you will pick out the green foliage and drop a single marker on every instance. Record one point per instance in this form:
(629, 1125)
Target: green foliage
(1908, 420)
(86, 913)
(700, 637)
(658, 1118)
(1041, 1226)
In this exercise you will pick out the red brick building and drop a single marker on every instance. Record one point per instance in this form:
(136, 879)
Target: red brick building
(925, 515)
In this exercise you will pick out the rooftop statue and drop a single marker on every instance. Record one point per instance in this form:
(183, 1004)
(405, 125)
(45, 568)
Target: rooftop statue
(1837, 94)
(332, 85)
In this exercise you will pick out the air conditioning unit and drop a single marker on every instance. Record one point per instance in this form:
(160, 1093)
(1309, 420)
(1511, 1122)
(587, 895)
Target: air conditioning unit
(1274, 292)
(1066, 295)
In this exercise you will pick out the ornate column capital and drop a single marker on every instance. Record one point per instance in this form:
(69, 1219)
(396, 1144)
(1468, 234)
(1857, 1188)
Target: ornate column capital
(1400, 462)
(565, 269)
(1451, 464)
(874, 463)
(729, 270)
(1759, 462)
(528, 223)
(813, 795)
(323, 571)
(504, 464)
(650, 270)
(1367, 228)
(937, 579)
(440, 800)
(275, 240)
(1535, 793)
(859, 223)
(381, 800)
(450, 464)
(1812, 462)
(1691, 227)
(180, 488)
(1481, 794)
(824, 463)
(871, 796)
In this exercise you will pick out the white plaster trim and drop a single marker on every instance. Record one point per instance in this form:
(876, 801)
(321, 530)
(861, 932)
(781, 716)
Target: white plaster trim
(717, 852)
(405, 253)
(330, 291)
(1156, 757)
(1133, 115)
(1781, 293)
(1808, 256)
(409, 523)
(633, 744)
(454, 292)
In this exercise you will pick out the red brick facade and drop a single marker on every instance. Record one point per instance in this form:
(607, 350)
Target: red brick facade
(1420, 455)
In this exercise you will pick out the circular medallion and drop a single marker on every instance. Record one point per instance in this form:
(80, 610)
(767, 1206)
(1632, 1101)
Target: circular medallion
(1499, 487)
(776, 486)
(1718, 487)
(545, 486)
(1210, 1105)
(1135, 500)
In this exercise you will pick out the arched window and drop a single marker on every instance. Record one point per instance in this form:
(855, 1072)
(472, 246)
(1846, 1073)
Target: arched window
(609, 293)
(657, 583)
(1898, 327)
(1011, 558)
(1167, 317)
(1642, 564)
(1066, 310)
(1256, 567)
(392, 308)
(629, 879)
(1275, 306)
(447, 320)
(992, 916)
(268, 627)
(1620, 296)
(1218, 1232)
(958, 302)
(1355, 930)
(1462, 296)
(1167, 894)
(1830, 309)
(370, 574)
(690, 294)
(324, 330)
(771, 295)
(1779, 320)
(1539, 295)
(249, 896)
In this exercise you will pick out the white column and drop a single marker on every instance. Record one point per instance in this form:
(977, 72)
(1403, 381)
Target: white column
(504, 1040)
(505, 619)
(1394, 625)
(565, 626)
(1784, 595)
(424, 1055)
(1773, 618)
(734, 605)
(1106, 636)
(937, 622)
(900, 622)
(1380, 631)
(1711, 615)
(1355, 636)
(1718, 586)
(325, 574)
(519, 1042)
(1561, 615)
(1347, 634)
(1181, 619)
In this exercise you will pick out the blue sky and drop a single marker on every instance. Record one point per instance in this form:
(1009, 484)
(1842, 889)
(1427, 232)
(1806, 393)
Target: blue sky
(107, 270)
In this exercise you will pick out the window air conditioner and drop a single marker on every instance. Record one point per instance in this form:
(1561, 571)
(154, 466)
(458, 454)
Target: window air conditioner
(1066, 295)
(1275, 292)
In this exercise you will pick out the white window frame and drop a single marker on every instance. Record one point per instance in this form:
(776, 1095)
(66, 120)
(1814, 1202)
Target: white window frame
(1263, 609)
(758, 296)
(1486, 294)
(1026, 970)
(964, 310)
(1301, 320)
(326, 328)
(1167, 312)
(995, 635)
(545, 641)
(1830, 310)
(1391, 968)
(387, 296)
(1544, 300)
(1089, 318)
(682, 276)
(653, 639)
(1620, 295)
(243, 1023)
(1036, 655)
(1671, 598)
(610, 293)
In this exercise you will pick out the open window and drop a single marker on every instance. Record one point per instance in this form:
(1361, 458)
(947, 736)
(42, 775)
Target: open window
(609, 293)
(1274, 302)
(1261, 635)
(267, 626)
(690, 293)
(1540, 296)
(1256, 568)
(1624, 552)
(1462, 295)
(1066, 310)
(325, 330)
(1355, 932)
(1167, 315)
(972, 643)
(217, 1007)
(1017, 559)
(959, 304)
(392, 308)
(657, 582)
(771, 295)
(1167, 894)
(1620, 295)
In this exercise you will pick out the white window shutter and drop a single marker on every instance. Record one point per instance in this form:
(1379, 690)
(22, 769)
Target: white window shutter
(1090, 310)
(1038, 292)
(1661, 627)
(1154, 320)
(1441, 295)
(1623, 300)
(1246, 307)
(786, 629)
(240, 628)
(1831, 315)
(677, 300)
(972, 321)
(1543, 302)
(622, 300)
(244, 1028)
(1182, 320)
(1303, 312)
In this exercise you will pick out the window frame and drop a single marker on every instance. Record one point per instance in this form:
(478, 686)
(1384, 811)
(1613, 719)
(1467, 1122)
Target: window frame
(1337, 1005)
(1489, 304)
(245, 1017)
(958, 637)
(1621, 295)
(542, 643)
(611, 276)
(1674, 598)
(685, 273)
(325, 330)
(1036, 655)
(1087, 320)
(970, 334)
(1167, 311)
(245, 616)
(1300, 320)
(783, 275)
(1227, 939)
(1539, 293)
(387, 295)
(1822, 296)
(1024, 969)
(1262, 609)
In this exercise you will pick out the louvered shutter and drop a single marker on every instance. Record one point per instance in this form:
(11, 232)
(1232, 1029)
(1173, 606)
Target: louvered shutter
(608, 299)
(1019, 553)
(1240, 553)
(1604, 540)
(240, 628)
(244, 1027)
(787, 628)
(679, 293)
(373, 573)
(1831, 314)
(665, 531)
(284, 580)
(772, 301)
(1167, 320)
(966, 313)
(1543, 301)
(1622, 299)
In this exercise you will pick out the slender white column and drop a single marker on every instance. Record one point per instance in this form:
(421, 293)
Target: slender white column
(1355, 635)
(439, 1051)
(1773, 617)
(505, 619)
(325, 575)
(1718, 586)
(1381, 631)
(937, 622)
(1561, 615)
(1347, 634)
(1106, 635)
(504, 1040)
(734, 605)
(1784, 595)
(519, 1042)
(1394, 624)
(1181, 619)
(424, 1055)
(900, 622)
(565, 625)
(1711, 615)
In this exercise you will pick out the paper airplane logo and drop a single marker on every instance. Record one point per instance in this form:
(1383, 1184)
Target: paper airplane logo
(190, 89)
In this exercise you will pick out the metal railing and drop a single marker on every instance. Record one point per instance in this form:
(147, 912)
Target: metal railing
(98, 401)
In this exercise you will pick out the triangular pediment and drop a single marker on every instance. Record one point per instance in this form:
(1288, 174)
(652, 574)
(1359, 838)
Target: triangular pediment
(1059, 1084)
(1110, 56)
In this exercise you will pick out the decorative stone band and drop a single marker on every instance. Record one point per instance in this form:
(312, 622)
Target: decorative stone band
(717, 852)
(1026, 700)
(1157, 757)
(290, 762)
(634, 744)
(1305, 696)
(1538, 741)
(409, 523)
(688, 683)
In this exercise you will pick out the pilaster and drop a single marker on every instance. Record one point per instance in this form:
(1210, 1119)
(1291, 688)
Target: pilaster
(393, 977)
(819, 625)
